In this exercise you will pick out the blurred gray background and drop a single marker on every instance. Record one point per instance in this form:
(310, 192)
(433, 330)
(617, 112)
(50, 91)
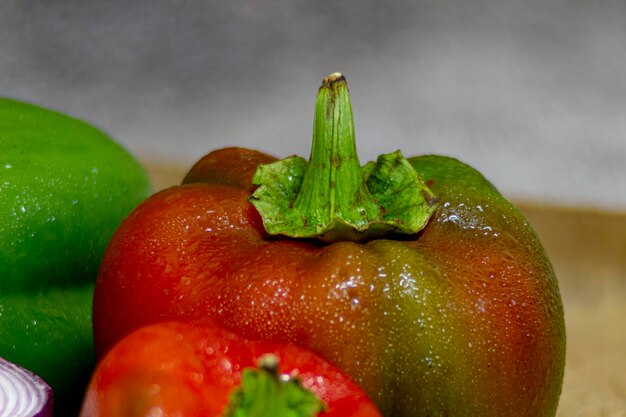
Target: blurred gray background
(532, 93)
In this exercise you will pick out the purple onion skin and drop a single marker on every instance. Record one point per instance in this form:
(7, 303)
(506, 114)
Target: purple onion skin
(35, 395)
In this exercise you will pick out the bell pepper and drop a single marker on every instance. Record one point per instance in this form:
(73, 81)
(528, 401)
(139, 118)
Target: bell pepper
(415, 276)
(64, 188)
(198, 369)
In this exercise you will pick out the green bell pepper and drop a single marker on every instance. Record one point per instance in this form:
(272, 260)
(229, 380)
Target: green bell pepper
(65, 186)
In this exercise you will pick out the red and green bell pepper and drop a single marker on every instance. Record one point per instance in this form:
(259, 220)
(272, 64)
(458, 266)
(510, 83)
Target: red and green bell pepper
(414, 276)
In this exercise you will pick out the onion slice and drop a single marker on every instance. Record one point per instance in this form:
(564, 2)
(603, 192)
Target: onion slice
(22, 393)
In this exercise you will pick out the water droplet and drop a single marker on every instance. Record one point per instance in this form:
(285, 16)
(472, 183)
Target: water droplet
(155, 412)
(197, 376)
(227, 365)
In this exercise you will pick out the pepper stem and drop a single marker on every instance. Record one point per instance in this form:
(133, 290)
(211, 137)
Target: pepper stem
(263, 392)
(332, 197)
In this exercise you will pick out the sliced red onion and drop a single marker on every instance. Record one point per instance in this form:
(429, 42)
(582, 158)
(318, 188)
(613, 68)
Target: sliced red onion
(22, 393)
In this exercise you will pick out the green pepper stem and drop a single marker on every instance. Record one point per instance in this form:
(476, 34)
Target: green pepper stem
(333, 188)
(332, 197)
(263, 392)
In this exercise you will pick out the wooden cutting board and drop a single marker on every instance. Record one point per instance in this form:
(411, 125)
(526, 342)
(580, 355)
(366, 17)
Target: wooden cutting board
(588, 252)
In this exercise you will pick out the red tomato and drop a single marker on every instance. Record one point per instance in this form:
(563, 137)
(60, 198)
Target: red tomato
(191, 369)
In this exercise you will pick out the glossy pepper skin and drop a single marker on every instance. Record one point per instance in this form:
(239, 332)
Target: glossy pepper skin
(193, 369)
(64, 188)
(463, 318)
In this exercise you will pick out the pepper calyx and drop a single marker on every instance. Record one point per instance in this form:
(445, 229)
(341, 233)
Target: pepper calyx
(331, 197)
(264, 392)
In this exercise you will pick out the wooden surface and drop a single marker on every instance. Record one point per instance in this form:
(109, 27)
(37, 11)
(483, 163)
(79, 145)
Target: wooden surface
(588, 252)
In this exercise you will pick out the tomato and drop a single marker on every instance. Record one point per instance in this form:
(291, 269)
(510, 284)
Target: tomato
(193, 369)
